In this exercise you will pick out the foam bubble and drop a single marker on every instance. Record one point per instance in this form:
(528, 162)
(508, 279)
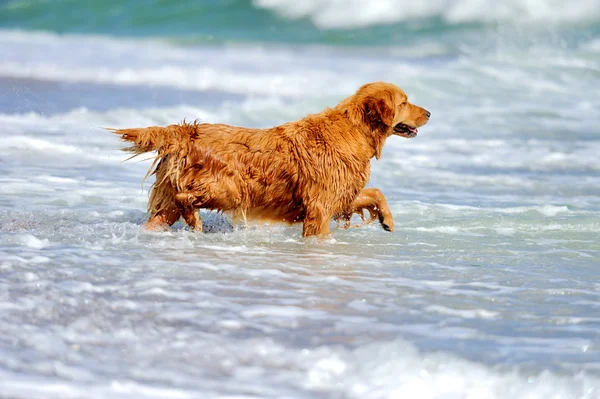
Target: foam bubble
(549, 210)
(31, 241)
(468, 314)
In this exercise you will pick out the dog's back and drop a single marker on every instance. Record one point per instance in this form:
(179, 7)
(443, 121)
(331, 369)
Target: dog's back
(266, 174)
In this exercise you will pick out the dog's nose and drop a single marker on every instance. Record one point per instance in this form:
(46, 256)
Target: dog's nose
(428, 113)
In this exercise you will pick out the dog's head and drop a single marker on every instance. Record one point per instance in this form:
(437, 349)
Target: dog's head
(384, 109)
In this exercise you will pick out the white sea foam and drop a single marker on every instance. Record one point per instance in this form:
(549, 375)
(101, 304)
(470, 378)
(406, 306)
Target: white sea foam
(384, 370)
(31, 241)
(282, 72)
(293, 73)
(468, 314)
(397, 371)
(338, 14)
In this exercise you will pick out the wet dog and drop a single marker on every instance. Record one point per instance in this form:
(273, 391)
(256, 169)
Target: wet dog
(308, 171)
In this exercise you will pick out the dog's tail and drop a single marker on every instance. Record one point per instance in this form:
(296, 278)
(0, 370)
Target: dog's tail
(172, 139)
(172, 143)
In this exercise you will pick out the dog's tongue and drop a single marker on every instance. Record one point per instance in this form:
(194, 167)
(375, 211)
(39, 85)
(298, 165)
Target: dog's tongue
(414, 129)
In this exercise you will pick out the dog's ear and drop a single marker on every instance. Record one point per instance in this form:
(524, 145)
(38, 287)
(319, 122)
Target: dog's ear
(379, 112)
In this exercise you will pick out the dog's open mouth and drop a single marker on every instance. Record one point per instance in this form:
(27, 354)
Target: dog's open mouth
(405, 131)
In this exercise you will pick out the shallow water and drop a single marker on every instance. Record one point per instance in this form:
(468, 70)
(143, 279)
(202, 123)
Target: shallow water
(488, 288)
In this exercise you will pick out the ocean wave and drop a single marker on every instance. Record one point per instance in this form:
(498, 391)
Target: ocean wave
(292, 72)
(247, 70)
(346, 14)
(334, 22)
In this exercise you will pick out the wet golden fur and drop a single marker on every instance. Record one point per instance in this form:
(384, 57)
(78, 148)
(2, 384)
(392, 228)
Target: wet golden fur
(305, 171)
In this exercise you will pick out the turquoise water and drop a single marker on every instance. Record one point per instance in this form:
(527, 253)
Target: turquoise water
(488, 288)
(239, 21)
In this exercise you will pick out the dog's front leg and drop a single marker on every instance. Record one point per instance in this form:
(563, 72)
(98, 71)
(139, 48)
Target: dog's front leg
(316, 221)
(373, 200)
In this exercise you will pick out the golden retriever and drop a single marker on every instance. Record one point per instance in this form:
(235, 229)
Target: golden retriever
(307, 171)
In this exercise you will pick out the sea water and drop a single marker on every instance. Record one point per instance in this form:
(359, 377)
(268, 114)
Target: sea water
(488, 288)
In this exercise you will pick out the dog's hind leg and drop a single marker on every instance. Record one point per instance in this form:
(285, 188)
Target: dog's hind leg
(162, 206)
(190, 213)
(193, 219)
(163, 218)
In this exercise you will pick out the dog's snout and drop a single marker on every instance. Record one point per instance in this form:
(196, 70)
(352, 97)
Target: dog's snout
(428, 114)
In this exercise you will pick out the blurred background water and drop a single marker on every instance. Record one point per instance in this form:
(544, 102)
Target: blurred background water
(488, 288)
